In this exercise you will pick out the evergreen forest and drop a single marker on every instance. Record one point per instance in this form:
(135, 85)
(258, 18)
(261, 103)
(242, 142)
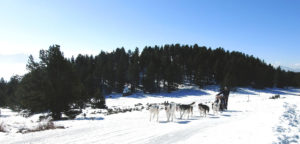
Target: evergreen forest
(59, 85)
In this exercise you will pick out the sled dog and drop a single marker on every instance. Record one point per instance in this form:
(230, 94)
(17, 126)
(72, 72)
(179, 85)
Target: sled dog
(154, 111)
(203, 109)
(185, 108)
(170, 110)
(215, 107)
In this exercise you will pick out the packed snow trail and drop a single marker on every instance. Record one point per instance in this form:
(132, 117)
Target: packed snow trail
(254, 120)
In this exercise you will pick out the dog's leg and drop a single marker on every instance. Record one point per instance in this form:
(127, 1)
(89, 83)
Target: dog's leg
(153, 115)
(188, 113)
(201, 111)
(180, 114)
(168, 116)
(175, 115)
(157, 114)
(212, 107)
(170, 113)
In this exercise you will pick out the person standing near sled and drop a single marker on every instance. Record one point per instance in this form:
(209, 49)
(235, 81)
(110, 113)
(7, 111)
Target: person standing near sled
(223, 96)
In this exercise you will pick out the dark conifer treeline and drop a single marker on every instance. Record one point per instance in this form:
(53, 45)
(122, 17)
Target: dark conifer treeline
(58, 84)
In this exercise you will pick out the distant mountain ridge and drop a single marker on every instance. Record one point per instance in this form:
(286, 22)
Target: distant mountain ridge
(290, 69)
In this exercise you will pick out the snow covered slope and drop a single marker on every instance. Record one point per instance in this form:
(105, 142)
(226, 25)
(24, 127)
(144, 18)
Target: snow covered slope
(251, 118)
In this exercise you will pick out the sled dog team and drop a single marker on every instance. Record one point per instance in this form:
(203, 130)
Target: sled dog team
(184, 109)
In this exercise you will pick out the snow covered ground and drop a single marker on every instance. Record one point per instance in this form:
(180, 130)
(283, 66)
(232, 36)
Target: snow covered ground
(251, 118)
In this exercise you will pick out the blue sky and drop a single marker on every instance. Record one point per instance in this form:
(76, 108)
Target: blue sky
(268, 29)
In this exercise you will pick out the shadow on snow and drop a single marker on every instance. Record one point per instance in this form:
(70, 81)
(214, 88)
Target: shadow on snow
(198, 92)
(4, 116)
(175, 94)
(90, 118)
(273, 91)
(183, 122)
(231, 111)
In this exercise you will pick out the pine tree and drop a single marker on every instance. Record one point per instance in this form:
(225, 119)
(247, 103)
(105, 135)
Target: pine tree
(148, 81)
(279, 78)
(122, 61)
(33, 90)
(98, 100)
(11, 99)
(134, 70)
(2, 92)
(51, 84)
